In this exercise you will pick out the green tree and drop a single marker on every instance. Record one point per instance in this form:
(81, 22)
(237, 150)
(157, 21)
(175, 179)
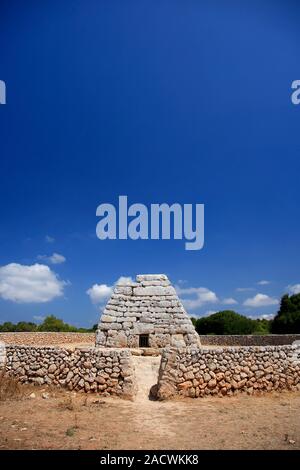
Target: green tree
(8, 326)
(25, 326)
(226, 322)
(52, 323)
(287, 319)
(262, 326)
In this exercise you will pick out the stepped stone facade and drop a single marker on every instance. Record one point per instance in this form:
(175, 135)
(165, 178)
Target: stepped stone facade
(145, 313)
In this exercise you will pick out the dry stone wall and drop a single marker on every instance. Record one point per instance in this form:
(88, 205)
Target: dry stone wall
(2, 355)
(107, 372)
(45, 338)
(197, 372)
(149, 306)
(247, 340)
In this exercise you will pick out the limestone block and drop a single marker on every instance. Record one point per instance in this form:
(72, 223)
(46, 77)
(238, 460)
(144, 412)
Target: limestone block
(151, 277)
(112, 332)
(129, 319)
(100, 338)
(2, 354)
(133, 314)
(110, 311)
(115, 326)
(159, 340)
(155, 283)
(133, 341)
(114, 300)
(143, 328)
(121, 308)
(155, 291)
(108, 318)
(165, 303)
(126, 290)
(177, 340)
(120, 340)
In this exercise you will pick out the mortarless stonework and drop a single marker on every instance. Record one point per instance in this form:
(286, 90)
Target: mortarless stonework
(46, 338)
(103, 371)
(148, 306)
(2, 355)
(197, 372)
(248, 340)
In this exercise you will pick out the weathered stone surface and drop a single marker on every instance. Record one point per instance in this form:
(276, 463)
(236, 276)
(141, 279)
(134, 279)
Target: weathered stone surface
(198, 372)
(148, 306)
(151, 277)
(154, 291)
(2, 354)
(248, 340)
(84, 369)
(108, 318)
(41, 338)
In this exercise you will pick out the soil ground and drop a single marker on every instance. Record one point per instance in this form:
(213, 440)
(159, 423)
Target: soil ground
(67, 420)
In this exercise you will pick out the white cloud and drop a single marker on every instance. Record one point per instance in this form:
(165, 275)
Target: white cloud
(260, 300)
(229, 301)
(124, 281)
(56, 258)
(201, 295)
(49, 239)
(244, 289)
(25, 284)
(294, 289)
(99, 293)
(266, 316)
(263, 283)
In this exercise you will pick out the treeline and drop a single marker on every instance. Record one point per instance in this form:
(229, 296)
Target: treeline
(50, 323)
(228, 322)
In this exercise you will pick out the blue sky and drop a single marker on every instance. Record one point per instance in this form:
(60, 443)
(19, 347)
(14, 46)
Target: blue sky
(162, 101)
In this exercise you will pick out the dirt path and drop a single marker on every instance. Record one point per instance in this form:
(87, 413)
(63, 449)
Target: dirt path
(67, 420)
(146, 372)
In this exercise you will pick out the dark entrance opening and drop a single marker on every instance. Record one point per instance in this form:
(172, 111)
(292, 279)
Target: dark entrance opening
(144, 341)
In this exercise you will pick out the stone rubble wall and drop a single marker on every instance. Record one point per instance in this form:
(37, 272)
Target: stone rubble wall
(2, 355)
(45, 338)
(247, 340)
(148, 306)
(195, 372)
(106, 372)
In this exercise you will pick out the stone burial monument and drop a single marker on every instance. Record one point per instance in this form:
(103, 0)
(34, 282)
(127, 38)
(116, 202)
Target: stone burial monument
(145, 313)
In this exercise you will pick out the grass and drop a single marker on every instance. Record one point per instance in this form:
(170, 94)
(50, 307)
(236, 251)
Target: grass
(70, 431)
(66, 404)
(9, 387)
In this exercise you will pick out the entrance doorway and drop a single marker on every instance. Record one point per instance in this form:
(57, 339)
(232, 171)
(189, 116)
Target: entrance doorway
(144, 341)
